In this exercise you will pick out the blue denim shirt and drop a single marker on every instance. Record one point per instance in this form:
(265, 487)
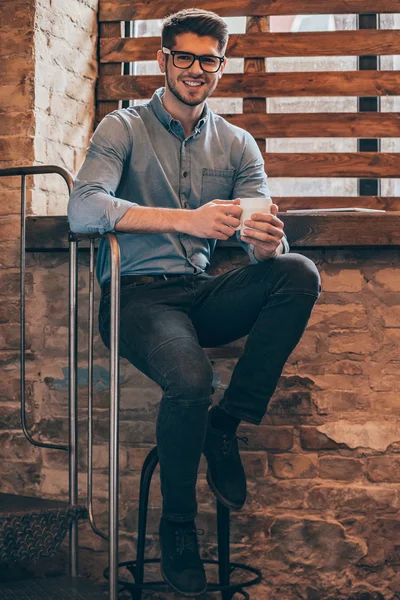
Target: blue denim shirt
(141, 156)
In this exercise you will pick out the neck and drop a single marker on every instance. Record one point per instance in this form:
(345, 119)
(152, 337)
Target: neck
(188, 116)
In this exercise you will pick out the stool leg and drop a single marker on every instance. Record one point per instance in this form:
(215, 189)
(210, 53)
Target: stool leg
(145, 480)
(223, 548)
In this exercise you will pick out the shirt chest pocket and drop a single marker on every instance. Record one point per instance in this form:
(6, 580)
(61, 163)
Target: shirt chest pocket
(216, 184)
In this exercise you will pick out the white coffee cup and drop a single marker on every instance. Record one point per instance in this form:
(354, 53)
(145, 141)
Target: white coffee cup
(249, 207)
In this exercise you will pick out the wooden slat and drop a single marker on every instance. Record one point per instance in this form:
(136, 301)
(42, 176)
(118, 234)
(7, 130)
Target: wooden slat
(306, 202)
(130, 10)
(332, 164)
(297, 125)
(353, 229)
(256, 85)
(326, 43)
(108, 30)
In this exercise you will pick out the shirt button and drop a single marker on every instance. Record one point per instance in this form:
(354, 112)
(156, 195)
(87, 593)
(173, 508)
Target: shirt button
(185, 173)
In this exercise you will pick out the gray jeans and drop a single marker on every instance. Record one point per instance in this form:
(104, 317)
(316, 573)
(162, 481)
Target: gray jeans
(166, 324)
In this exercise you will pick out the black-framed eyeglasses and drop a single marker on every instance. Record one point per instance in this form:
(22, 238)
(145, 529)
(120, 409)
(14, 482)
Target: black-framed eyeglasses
(184, 60)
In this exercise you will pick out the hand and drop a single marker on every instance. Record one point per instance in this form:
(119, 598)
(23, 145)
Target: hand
(265, 234)
(216, 219)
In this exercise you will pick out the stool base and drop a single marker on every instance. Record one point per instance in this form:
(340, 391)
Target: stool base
(227, 591)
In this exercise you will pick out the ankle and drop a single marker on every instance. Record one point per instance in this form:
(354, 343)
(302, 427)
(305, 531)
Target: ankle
(179, 524)
(223, 421)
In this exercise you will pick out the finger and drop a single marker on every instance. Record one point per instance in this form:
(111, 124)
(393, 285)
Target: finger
(271, 247)
(230, 221)
(274, 209)
(267, 218)
(228, 231)
(265, 228)
(261, 236)
(233, 210)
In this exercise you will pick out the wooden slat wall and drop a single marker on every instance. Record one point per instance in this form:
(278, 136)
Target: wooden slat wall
(255, 85)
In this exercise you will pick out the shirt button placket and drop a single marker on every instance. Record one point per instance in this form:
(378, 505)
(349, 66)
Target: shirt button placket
(185, 178)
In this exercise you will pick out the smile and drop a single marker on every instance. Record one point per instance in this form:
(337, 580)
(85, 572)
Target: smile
(193, 84)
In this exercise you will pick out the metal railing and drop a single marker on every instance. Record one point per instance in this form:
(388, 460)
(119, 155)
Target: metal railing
(24, 172)
(72, 446)
(113, 480)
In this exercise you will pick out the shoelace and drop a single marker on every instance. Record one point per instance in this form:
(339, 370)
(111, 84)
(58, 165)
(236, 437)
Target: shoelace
(185, 539)
(228, 443)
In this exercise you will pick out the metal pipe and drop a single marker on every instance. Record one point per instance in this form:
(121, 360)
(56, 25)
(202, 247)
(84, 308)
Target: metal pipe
(22, 262)
(40, 170)
(73, 399)
(23, 171)
(223, 548)
(145, 481)
(22, 268)
(90, 394)
(114, 416)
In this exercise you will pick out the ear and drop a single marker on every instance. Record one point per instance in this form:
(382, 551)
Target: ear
(222, 69)
(161, 60)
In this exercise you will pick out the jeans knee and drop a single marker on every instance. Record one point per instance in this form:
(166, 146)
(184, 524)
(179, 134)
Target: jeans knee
(189, 384)
(299, 274)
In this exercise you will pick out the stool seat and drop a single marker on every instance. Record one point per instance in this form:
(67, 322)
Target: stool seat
(225, 566)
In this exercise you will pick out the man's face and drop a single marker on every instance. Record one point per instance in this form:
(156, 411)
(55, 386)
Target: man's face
(191, 86)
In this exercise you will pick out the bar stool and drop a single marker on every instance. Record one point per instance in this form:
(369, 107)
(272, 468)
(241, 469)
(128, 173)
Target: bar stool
(136, 567)
(225, 567)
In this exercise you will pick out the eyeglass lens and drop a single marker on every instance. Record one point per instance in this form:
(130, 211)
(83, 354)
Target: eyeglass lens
(207, 62)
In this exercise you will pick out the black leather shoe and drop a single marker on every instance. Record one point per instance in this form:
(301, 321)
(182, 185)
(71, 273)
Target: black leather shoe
(225, 474)
(181, 565)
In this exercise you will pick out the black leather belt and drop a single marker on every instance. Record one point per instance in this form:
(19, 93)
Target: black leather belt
(129, 279)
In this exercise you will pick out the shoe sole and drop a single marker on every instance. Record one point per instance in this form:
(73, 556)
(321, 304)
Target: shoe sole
(219, 496)
(181, 592)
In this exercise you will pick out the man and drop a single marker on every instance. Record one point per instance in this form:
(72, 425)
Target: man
(168, 176)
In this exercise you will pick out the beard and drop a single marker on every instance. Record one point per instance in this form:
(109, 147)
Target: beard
(208, 90)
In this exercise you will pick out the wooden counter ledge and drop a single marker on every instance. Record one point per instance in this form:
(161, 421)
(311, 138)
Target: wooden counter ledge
(310, 230)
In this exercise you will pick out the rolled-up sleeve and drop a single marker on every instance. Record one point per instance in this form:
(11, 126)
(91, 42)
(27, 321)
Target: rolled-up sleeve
(93, 205)
(251, 182)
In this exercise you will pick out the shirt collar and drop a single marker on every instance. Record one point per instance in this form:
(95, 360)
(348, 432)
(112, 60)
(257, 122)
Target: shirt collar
(164, 116)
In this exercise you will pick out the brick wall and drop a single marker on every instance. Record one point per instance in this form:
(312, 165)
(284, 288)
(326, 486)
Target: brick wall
(65, 74)
(17, 130)
(322, 516)
(47, 79)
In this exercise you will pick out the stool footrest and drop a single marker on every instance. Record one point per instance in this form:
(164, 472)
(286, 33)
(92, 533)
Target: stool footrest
(162, 586)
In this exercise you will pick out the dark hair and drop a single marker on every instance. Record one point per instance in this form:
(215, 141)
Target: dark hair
(194, 20)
